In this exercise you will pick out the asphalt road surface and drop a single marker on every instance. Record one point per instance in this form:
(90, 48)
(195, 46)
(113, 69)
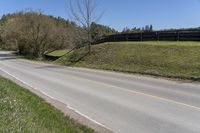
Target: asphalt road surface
(122, 102)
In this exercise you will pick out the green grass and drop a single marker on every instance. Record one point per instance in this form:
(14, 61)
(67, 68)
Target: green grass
(23, 112)
(58, 53)
(162, 43)
(167, 59)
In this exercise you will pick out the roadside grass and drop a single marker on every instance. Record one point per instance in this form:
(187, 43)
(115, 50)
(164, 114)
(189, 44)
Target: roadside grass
(23, 112)
(167, 59)
(58, 53)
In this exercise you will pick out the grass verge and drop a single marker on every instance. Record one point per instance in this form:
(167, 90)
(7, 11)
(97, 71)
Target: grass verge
(167, 59)
(24, 112)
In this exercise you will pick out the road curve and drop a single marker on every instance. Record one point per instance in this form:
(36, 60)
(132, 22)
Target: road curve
(122, 102)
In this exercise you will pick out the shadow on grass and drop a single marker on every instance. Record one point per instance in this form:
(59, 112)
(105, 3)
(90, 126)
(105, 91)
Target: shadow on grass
(72, 62)
(77, 59)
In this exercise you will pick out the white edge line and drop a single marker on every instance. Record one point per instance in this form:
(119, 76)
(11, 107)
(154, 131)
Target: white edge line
(67, 105)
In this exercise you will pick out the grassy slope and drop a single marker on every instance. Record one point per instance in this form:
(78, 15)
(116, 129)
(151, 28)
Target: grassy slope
(169, 59)
(58, 53)
(21, 111)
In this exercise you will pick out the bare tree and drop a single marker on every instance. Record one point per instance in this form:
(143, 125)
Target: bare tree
(83, 12)
(33, 33)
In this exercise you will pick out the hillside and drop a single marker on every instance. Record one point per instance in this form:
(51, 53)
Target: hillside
(168, 59)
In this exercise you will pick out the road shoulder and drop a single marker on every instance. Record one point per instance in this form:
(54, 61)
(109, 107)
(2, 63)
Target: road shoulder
(61, 106)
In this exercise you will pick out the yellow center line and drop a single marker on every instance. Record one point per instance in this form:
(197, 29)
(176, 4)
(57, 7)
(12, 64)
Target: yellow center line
(140, 93)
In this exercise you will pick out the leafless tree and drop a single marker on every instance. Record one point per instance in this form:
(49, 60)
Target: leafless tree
(83, 12)
(33, 33)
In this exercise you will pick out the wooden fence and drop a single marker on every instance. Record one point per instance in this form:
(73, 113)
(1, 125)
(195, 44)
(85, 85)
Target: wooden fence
(178, 35)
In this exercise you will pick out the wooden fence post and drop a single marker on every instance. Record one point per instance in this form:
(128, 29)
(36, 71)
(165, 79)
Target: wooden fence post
(158, 36)
(178, 36)
(127, 38)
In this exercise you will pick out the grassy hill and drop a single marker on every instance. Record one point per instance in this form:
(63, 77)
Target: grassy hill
(168, 59)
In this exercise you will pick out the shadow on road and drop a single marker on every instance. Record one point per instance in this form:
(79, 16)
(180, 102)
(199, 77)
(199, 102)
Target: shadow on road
(77, 58)
(48, 67)
(8, 56)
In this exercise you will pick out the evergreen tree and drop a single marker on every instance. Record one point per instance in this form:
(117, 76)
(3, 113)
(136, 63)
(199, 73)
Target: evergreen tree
(151, 27)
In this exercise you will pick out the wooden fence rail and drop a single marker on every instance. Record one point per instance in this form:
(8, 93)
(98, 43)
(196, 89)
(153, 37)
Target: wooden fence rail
(181, 35)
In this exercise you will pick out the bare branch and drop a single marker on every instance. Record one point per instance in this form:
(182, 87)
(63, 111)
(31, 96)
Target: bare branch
(83, 12)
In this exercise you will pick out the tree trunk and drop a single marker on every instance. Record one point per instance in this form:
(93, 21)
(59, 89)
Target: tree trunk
(90, 41)
(40, 55)
(90, 48)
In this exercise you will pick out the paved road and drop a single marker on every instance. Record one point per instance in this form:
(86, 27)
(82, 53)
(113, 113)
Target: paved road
(122, 102)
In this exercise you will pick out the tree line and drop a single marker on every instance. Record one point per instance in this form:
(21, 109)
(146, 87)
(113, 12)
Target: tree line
(33, 33)
(147, 28)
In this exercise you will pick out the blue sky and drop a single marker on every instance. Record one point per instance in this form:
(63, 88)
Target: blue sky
(118, 14)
